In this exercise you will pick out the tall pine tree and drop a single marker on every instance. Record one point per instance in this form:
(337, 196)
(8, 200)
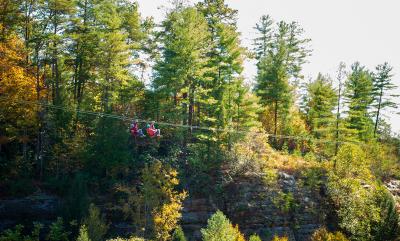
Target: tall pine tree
(383, 98)
(359, 97)
(321, 103)
(281, 52)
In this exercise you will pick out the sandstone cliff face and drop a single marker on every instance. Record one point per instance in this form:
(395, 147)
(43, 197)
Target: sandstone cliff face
(38, 207)
(286, 209)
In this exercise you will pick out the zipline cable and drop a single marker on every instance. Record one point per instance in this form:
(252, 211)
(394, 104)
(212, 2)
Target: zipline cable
(124, 118)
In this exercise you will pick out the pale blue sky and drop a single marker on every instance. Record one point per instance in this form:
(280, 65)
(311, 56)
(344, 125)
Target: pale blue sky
(341, 30)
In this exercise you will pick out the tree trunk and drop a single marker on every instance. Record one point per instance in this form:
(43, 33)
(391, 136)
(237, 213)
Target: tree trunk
(338, 112)
(378, 112)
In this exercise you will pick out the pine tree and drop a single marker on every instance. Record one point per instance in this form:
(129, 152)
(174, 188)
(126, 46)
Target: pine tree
(226, 56)
(179, 235)
(219, 228)
(84, 47)
(95, 224)
(83, 234)
(383, 85)
(263, 43)
(180, 81)
(321, 103)
(281, 52)
(359, 97)
(340, 76)
(58, 12)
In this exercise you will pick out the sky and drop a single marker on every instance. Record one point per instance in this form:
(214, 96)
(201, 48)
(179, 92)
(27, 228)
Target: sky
(367, 31)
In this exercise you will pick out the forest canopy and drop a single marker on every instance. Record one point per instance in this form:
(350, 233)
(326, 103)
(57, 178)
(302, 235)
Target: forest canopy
(80, 121)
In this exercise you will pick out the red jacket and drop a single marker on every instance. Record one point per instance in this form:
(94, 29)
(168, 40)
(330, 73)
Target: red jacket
(135, 129)
(151, 131)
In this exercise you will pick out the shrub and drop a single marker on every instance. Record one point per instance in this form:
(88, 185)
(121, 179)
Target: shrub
(12, 235)
(250, 154)
(384, 160)
(159, 183)
(285, 202)
(323, 234)
(388, 226)
(57, 231)
(178, 235)
(128, 239)
(355, 207)
(255, 237)
(95, 223)
(83, 234)
(16, 234)
(313, 177)
(77, 199)
(277, 238)
(219, 228)
(352, 162)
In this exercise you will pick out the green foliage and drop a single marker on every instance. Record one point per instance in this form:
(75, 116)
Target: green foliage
(383, 86)
(12, 235)
(388, 227)
(359, 97)
(77, 199)
(219, 228)
(95, 224)
(17, 233)
(321, 101)
(352, 162)
(57, 231)
(384, 160)
(255, 237)
(277, 238)
(128, 239)
(365, 209)
(179, 235)
(90, 56)
(323, 234)
(285, 202)
(281, 52)
(181, 72)
(313, 177)
(156, 206)
(83, 234)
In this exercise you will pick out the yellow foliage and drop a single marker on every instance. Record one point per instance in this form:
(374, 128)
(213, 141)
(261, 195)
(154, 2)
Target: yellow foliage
(324, 235)
(128, 239)
(277, 238)
(352, 162)
(240, 236)
(161, 197)
(166, 218)
(17, 84)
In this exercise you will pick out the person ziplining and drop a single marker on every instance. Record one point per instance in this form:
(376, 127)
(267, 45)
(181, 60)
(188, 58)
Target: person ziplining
(135, 130)
(150, 130)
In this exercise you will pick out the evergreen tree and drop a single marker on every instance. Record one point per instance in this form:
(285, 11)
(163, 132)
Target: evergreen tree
(83, 234)
(359, 97)
(263, 43)
(226, 59)
(179, 235)
(320, 106)
(383, 99)
(95, 225)
(219, 228)
(57, 231)
(180, 81)
(85, 44)
(340, 76)
(114, 50)
(286, 52)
